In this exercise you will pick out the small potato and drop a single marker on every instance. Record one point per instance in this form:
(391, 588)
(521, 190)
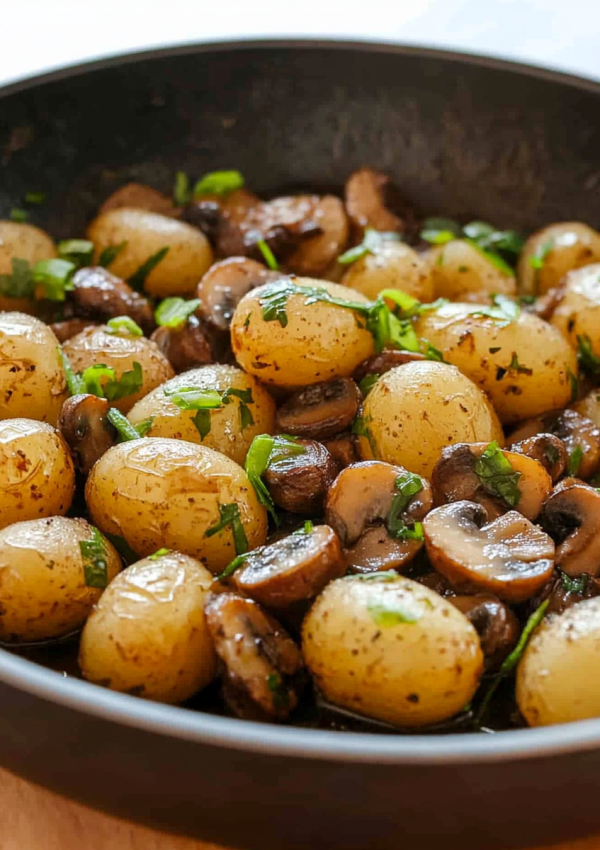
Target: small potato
(577, 313)
(557, 678)
(147, 635)
(37, 478)
(393, 266)
(390, 648)
(524, 366)
(558, 249)
(226, 434)
(416, 410)
(146, 233)
(316, 341)
(458, 269)
(589, 406)
(97, 345)
(43, 574)
(32, 380)
(159, 493)
(23, 242)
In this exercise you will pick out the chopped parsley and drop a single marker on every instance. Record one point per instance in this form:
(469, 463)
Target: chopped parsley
(76, 251)
(575, 459)
(439, 231)
(497, 475)
(144, 426)
(407, 485)
(123, 548)
(385, 616)
(124, 325)
(95, 563)
(264, 451)
(279, 693)
(18, 215)
(513, 366)
(537, 260)
(35, 198)
(368, 382)
(499, 247)
(551, 454)
(360, 427)
(160, 553)
(589, 362)
(20, 283)
(125, 430)
(574, 385)
(56, 278)
(173, 312)
(268, 255)
(138, 278)
(90, 380)
(383, 576)
(237, 562)
(203, 401)
(577, 584)
(229, 517)
(110, 254)
(503, 310)
(219, 183)
(181, 190)
(372, 242)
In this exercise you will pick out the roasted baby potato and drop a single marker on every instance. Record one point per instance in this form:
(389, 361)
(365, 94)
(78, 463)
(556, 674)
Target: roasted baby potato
(460, 270)
(394, 265)
(552, 252)
(22, 242)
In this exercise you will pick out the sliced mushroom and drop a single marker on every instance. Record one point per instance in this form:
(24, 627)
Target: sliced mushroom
(220, 218)
(319, 411)
(293, 569)
(316, 256)
(99, 294)
(300, 482)
(225, 284)
(87, 431)
(375, 550)
(567, 592)
(572, 516)
(372, 201)
(509, 557)
(455, 479)
(495, 623)
(578, 433)
(382, 363)
(139, 196)
(263, 665)
(185, 346)
(342, 449)
(70, 327)
(548, 450)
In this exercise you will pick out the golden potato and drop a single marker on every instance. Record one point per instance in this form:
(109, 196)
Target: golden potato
(552, 252)
(37, 478)
(577, 313)
(145, 234)
(459, 268)
(390, 648)
(158, 492)
(416, 410)
(23, 242)
(96, 345)
(557, 679)
(225, 431)
(148, 635)
(523, 365)
(589, 406)
(394, 265)
(32, 380)
(303, 343)
(52, 571)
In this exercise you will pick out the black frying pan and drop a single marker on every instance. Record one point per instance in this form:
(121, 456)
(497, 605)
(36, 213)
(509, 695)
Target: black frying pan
(461, 135)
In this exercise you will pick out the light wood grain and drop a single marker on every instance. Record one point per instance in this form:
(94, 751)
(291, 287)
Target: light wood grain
(34, 819)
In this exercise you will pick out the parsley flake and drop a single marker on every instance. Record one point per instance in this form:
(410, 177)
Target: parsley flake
(219, 183)
(407, 486)
(95, 563)
(229, 517)
(204, 400)
(138, 278)
(385, 616)
(589, 362)
(575, 459)
(76, 251)
(279, 693)
(268, 255)
(124, 325)
(110, 254)
(372, 242)
(497, 475)
(174, 312)
(181, 190)
(264, 451)
(18, 215)
(125, 430)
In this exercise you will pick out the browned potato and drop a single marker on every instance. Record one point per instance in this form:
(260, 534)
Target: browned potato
(552, 252)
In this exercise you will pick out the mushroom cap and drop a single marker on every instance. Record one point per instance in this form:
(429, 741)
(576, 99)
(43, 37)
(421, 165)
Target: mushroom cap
(572, 515)
(86, 430)
(319, 411)
(300, 482)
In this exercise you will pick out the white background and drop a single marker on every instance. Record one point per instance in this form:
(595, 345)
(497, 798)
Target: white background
(37, 35)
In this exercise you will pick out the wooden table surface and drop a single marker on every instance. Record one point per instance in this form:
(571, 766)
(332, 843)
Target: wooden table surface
(34, 819)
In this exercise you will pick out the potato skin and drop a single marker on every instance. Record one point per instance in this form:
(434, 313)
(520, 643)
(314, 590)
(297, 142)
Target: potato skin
(577, 313)
(189, 256)
(562, 247)
(159, 492)
(37, 477)
(557, 679)
(119, 351)
(416, 410)
(459, 270)
(148, 635)
(225, 434)
(408, 673)
(24, 242)
(393, 266)
(32, 380)
(320, 341)
(483, 350)
(42, 581)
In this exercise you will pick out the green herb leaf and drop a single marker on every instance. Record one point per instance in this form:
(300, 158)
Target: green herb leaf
(577, 584)
(367, 383)
(235, 564)
(160, 553)
(138, 278)
(265, 450)
(539, 258)
(76, 251)
(110, 254)
(125, 429)
(268, 255)
(515, 366)
(383, 576)
(589, 362)
(123, 548)
(144, 426)
(527, 300)
(20, 283)
(219, 183)
(497, 475)
(230, 518)
(55, 276)
(95, 564)
(385, 616)
(194, 398)
(89, 381)
(173, 312)
(431, 352)
(308, 527)
(35, 197)
(129, 383)
(202, 423)
(504, 311)
(75, 382)
(575, 459)
(360, 427)
(407, 486)
(181, 190)
(372, 242)
(574, 385)
(124, 325)
(279, 693)
(551, 454)
(439, 231)
(19, 215)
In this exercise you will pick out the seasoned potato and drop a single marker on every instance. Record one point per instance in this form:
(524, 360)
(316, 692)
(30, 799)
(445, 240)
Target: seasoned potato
(308, 343)
(589, 406)
(48, 584)
(577, 313)
(392, 649)
(23, 242)
(459, 269)
(158, 492)
(222, 427)
(393, 266)
(32, 380)
(148, 635)
(416, 410)
(37, 478)
(119, 352)
(552, 252)
(146, 233)
(524, 365)
(557, 679)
